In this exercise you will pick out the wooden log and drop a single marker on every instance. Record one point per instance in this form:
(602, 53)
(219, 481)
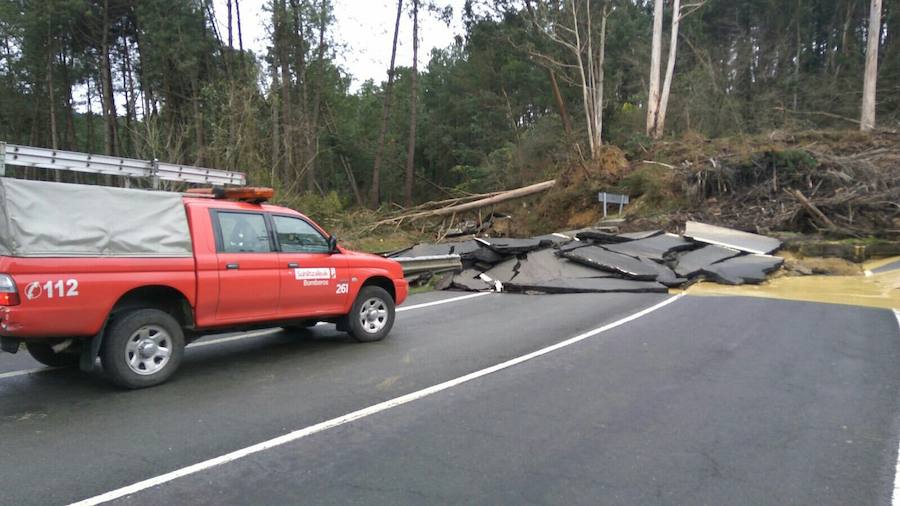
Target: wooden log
(478, 204)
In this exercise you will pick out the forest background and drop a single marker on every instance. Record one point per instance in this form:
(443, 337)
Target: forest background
(531, 87)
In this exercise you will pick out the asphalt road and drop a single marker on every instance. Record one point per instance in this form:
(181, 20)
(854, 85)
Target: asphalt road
(708, 400)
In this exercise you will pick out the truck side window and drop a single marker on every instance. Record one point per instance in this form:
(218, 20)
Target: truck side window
(298, 236)
(244, 233)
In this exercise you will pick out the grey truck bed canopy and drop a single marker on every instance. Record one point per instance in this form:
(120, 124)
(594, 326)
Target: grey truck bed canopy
(42, 219)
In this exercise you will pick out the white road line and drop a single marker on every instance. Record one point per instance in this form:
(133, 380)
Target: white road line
(13, 374)
(356, 415)
(248, 335)
(895, 496)
(442, 301)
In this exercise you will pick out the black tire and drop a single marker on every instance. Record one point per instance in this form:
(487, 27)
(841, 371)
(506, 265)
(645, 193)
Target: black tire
(360, 326)
(129, 336)
(43, 353)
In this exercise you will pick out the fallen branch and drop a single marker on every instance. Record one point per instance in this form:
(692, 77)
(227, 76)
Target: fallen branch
(469, 206)
(815, 211)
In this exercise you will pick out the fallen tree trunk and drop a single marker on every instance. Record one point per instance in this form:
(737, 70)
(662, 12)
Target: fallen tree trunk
(477, 204)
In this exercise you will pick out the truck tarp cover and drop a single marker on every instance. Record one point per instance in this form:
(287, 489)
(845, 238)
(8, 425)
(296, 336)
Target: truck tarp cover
(41, 219)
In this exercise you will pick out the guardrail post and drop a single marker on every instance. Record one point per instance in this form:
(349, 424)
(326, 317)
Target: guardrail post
(2, 158)
(154, 174)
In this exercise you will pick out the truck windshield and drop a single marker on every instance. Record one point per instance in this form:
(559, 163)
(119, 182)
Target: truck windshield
(298, 236)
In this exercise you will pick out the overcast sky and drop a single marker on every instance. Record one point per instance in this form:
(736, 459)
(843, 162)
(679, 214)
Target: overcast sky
(363, 28)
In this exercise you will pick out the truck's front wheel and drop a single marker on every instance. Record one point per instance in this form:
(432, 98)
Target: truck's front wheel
(142, 348)
(372, 314)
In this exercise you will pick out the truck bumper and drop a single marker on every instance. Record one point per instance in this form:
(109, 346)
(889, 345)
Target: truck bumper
(401, 289)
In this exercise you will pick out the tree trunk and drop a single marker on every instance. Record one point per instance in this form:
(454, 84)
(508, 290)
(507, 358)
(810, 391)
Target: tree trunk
(198, 127)
(230, 29)
(287, 130)
(413, 110)
(110, 136)
(867, 122)
(660, 122)
(54, 135)
(655, 56)
(90, 120)
(276, 137)
(560, 104)
(317, 105)
(375, 190)
(237, 12)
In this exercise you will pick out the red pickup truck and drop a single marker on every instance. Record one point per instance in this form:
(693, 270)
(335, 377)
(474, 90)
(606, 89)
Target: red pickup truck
(132, 276)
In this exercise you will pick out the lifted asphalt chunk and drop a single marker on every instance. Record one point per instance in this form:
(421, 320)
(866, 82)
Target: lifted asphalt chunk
(731, 238)
(691, 263)
(505, 246)
(599, 258)
(655, 248)
(544, 265)
(469, 280)
(588, 285)
(750, 269)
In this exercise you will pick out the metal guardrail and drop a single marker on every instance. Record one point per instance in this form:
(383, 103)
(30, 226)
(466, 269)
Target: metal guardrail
(433, 264)
(54, 159)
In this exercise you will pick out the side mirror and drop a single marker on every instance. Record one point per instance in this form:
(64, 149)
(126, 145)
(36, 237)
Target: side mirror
(332, 244)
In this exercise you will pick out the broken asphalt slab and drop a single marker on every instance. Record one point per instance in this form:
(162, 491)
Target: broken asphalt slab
(692, 262)
(505, 246)
(588, 285)
(505, 271)
(731, 238)
(636, 236)
(469, 280)
(749, 269)
(655, 248)
(603, 259)
(544, 265)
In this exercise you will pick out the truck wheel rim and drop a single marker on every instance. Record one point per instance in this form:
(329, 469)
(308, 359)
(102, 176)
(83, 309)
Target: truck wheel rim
(373, 315)
(148, 350)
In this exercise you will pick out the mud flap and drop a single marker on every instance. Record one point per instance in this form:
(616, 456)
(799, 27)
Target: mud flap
(9, 344)
(90, 349)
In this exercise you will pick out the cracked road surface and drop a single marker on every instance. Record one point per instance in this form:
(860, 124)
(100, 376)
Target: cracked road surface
(715, 400)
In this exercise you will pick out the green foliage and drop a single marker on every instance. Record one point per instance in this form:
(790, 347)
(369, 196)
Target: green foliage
(487, 115)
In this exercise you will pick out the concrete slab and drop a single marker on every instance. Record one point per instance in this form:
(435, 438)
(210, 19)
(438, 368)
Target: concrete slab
(692, 262)
(749, 269)
(507, 246)
(655, 248)
(589, 285)
(544, 265)
(603, 259)
(731, 238)
(468, 280)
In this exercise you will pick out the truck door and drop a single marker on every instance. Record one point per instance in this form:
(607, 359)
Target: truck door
(314, 281)
(248, 267)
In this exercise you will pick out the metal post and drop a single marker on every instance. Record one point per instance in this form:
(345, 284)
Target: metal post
(604, 205)
(154, 174)
(2, 158)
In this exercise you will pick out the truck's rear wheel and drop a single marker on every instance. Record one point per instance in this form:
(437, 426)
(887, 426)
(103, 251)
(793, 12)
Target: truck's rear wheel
(142, 348)
(372, 314)
(43, 353)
